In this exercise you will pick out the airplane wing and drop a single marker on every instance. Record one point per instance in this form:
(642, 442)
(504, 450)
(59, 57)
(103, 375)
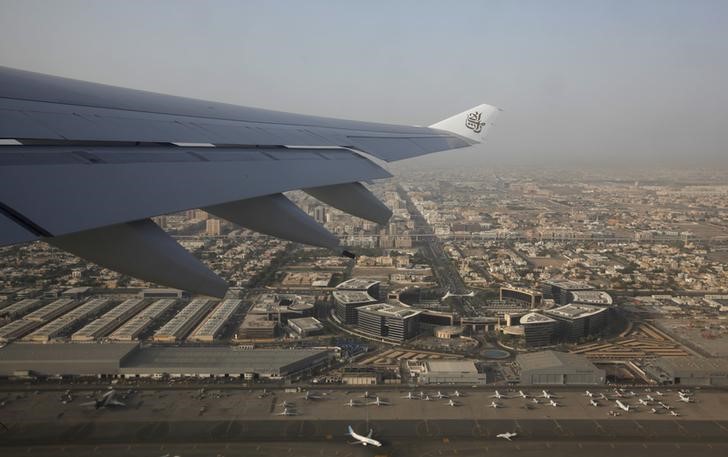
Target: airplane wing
(85, 166)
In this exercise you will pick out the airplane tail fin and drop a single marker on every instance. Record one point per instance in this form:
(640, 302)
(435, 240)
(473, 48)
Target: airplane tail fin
(472, 124)
(351, 430)
(370, 433)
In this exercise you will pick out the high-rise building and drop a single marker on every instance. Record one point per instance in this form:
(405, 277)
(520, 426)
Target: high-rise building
(212, 227)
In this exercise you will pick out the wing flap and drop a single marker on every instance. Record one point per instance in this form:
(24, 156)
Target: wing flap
(277, 216)
(143, 250)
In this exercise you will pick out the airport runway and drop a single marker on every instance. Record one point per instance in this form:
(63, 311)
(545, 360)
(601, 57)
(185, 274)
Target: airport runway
(247, 421)
(393, 449)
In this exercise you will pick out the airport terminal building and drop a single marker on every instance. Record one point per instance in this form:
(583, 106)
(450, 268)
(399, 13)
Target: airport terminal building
(558, 368)
(132, 360)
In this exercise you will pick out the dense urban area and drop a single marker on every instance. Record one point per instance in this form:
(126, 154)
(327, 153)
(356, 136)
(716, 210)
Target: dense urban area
(500, 278)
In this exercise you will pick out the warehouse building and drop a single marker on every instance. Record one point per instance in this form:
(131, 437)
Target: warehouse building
(306, 326)
(109, 321)
(135, 326)
(63, 359)
(68, 321)
(691, 371)
(51, 310)
(558, 368)
(215, 322)
(392, 322)
(17, 329)
(181, 324)
(222, 362)
(21, 307)
(448, 372)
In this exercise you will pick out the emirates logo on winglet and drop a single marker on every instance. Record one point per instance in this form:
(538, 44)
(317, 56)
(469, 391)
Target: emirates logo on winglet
(473, 122)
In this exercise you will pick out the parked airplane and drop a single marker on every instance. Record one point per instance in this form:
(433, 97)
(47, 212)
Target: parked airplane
(658, 393)
(553, 403)
(440, 396)
(312, 396)
(522, 394)
(351, 403)
(686, 400)
(452, 403)
(379, 402)
(547, 395)
(507, 436)
(103, 137)
(674, 413)
(588, 394)
(650, 398)
(665, 405)
(287, 412)
(427, 398)
(458, 394)
(623, 406)
(287, 404)
(409, 396)
(366, 394)
(642, 402)
(498, 395)
(107, 400)
(364, 440)
(493, 404)
(653, 410)
(535, 400)
(593, 402)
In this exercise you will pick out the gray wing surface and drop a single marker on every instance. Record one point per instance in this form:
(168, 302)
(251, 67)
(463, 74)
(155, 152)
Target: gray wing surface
(90, 164)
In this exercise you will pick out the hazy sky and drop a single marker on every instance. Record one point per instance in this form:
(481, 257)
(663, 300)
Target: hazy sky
(579, 81)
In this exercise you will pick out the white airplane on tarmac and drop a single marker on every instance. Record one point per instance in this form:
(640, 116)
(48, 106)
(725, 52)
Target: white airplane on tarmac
(452, 403)
(553, 403)
(522, 394)
(623, 406)
(498, 395)
(378, 402)
(440, 396)
(409, 396)
(588, 394)
(287, 412)
(547, 395)
(351, 403)
(686, 399)
(287, 404)
(312, 396)
(674, 413)
(665, 405)
(458, 394)
(650, 398)
(593, 402)
(493, 404)
(507, 436)
(642, 402)
(107, 400)
(366, 394)
(364, 440)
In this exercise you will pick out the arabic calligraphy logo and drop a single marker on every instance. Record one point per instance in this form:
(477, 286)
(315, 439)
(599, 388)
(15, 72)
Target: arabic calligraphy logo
(473, 122)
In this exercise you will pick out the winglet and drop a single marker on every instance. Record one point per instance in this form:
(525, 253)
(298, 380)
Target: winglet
(472, 124)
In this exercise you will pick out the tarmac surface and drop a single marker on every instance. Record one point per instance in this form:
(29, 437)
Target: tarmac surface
(247, 422)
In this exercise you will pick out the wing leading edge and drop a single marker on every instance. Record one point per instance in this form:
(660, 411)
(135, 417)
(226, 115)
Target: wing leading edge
(91, 164)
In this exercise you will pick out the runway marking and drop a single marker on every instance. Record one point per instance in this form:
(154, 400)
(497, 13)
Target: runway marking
(720, 426)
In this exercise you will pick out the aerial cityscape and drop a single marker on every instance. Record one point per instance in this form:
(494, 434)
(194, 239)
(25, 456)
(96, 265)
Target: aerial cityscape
(359, 229)
(483, 283)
